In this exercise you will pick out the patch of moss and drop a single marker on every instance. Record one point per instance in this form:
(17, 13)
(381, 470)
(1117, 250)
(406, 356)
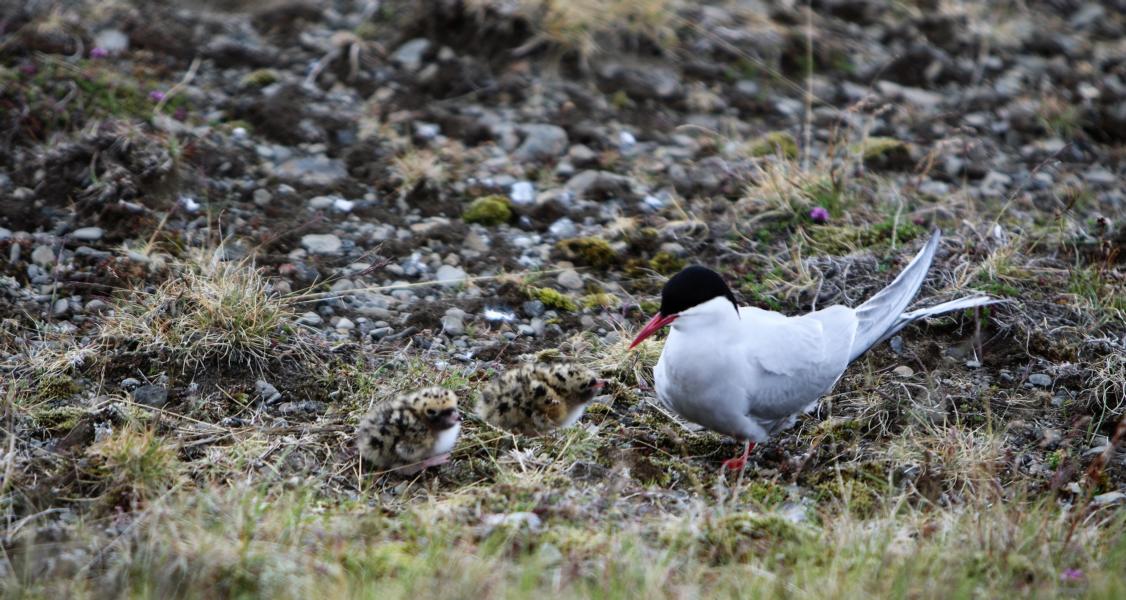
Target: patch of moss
(552, 298)
(600, 300)
(488, 210)
(843, 239)
(620, 100)
(738, 537)
(755, 291)
(57, 387)
(666, 263)
(592, 251)
(766, 493)
(58, 418)
(772, 144)
(260, 77)
(650, 307)
(858, 489)
(883, 150)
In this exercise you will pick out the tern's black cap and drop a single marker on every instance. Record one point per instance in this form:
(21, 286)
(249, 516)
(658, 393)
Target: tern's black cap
(693, 286)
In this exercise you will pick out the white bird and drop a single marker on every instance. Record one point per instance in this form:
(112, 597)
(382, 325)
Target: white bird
(748, 372)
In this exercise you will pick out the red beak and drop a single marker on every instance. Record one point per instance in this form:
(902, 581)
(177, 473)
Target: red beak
(653, 326)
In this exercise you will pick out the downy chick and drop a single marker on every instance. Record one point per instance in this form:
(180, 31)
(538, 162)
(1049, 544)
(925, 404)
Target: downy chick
(414, 431)
(536, 399)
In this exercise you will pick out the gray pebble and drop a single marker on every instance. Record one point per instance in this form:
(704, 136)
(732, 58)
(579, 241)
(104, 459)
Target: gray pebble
(1040, 380)
(43, 256)
(318, 243)
(155, 396)
(88, 234)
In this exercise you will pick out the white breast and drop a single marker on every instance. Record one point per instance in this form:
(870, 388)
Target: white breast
(573, 416)
(446, 440)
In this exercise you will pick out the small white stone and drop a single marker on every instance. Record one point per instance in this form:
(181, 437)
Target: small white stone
(903, 371)
(43, 256)
(318, 243)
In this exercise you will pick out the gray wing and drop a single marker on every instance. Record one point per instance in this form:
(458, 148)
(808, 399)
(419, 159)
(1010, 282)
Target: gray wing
(796, 360)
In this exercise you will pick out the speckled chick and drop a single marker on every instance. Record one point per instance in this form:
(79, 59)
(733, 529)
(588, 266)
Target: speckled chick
(412, 432)
(536, 399)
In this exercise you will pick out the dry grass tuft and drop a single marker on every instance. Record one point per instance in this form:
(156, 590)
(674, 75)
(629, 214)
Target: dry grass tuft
(210, 312)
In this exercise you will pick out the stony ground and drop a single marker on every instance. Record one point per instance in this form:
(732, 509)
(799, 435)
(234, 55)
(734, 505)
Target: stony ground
(227, 231)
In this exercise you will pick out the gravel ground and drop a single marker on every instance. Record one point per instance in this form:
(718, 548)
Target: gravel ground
(233, 228)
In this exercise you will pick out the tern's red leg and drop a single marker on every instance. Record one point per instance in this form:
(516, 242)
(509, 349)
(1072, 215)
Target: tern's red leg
(739, 462)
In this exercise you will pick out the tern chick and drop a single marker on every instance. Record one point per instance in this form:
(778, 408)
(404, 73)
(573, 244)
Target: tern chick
(536, 399)
(412, 432)
(747, 372)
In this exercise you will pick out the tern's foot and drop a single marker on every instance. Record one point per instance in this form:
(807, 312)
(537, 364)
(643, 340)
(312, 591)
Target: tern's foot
(735, 464)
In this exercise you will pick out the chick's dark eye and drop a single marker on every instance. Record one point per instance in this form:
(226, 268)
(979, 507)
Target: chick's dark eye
(431, 412)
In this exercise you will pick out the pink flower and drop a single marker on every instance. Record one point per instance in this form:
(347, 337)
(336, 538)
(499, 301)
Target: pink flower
(1071, 575)
(819, 214)
(29, 69)
(98, 52)
(156, 95)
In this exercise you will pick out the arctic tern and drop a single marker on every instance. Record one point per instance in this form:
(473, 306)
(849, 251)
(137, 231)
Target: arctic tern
(748, 372)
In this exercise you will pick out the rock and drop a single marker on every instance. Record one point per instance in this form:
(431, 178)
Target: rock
(903, 371)
(87, 234)
(410, 55)
(60, 307)
(642, 81)
(5, 234)
(262, 197)
(155, 396)
(1040, 380)
(522, 192)
(1109, 499)
(599, 185)
(1099, 176)
(542, 142)
(266, 392)
(317, 243)
(304, 407)
(313, 171)
(450, 276)
(533, 308)
(113, 41)
(345, 324)
(918, 97)
(453, 323)
(570, 279)
(95, 306)
(311, 319)
(43, 256)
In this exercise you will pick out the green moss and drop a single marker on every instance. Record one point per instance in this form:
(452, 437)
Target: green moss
(884, 151)
(58, 387)
(844, 239)
(260, 77)
(488, 210)
(666, 263)
(858, 489)
(620, 100)
(774, 143)
(552, 298)
(600, 300)
(755, 291)
(592, 251)
(58, 418)
(766, 493)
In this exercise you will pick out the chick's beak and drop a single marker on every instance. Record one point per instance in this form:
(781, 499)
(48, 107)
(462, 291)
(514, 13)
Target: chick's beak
(450, 419)
(653, 326)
